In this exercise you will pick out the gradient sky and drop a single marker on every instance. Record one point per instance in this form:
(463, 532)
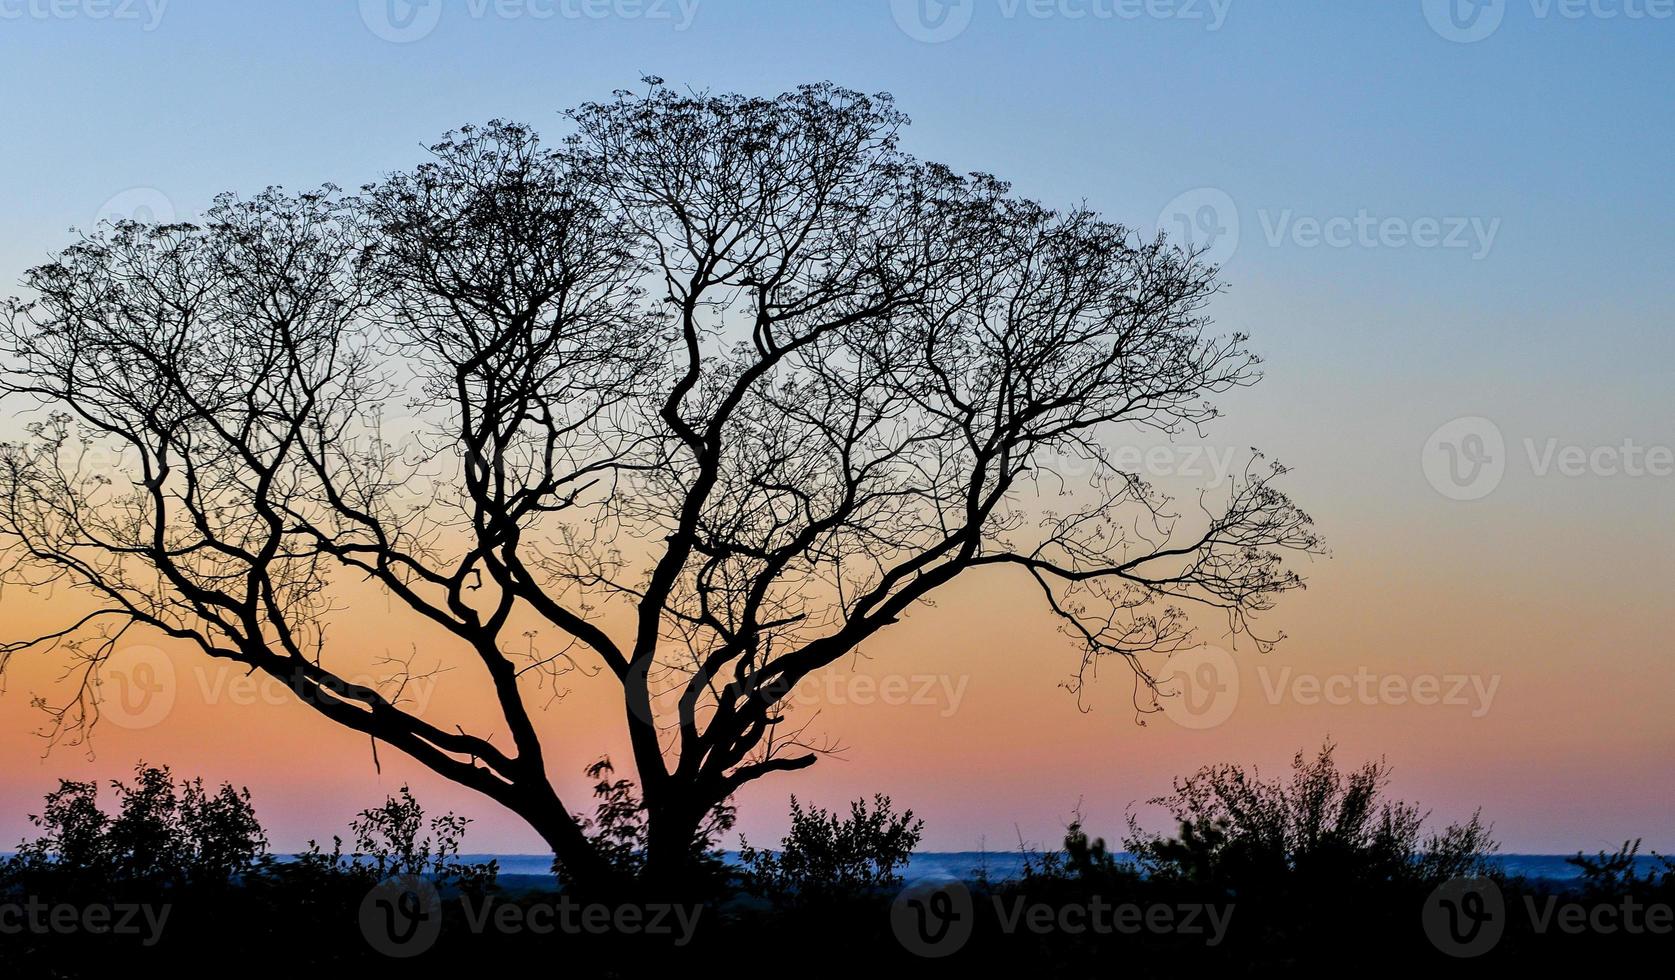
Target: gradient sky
(1554, 131)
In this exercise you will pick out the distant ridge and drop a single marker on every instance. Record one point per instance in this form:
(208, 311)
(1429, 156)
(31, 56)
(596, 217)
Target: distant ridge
(1009, 864)
(1002, 865)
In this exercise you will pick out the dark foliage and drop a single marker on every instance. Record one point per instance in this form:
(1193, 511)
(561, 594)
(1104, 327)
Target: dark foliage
(826, 858)
(164, 835)
(1620, 873)
(619, 828)
(1323, 827)
(201, 859)
(1312, 875)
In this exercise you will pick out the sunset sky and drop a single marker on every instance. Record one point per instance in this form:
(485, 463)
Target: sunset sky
(1419, 223)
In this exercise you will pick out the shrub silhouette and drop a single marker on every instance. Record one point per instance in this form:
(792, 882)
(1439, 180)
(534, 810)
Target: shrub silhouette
(1606, 875)
(825, 858)
(620, 824)
(1084, 860)
(164, 835)
(1323, 826)
(169, 836)
(387, 841)
(1320, 867)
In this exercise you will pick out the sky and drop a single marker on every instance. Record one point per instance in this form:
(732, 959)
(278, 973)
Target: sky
(1445, 228)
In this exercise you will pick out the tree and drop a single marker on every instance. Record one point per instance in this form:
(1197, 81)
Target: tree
(718, 388)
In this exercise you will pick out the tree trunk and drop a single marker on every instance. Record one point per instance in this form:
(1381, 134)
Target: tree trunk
(581, 868)
(671, 866)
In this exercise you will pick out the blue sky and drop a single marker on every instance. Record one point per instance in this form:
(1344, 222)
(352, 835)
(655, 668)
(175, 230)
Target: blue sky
(1558, 126)
(1365, 150)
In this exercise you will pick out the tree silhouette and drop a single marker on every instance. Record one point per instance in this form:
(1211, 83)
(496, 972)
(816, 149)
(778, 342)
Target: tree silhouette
(718, 388)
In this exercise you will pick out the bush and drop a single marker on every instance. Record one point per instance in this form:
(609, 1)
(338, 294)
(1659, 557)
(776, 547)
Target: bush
(1322, 826)
(1085, 860)
(174, 836)
(387, 840)
(824, 858)
(1616, 874)
(617, 830)
(202, 858)
(165, 835)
